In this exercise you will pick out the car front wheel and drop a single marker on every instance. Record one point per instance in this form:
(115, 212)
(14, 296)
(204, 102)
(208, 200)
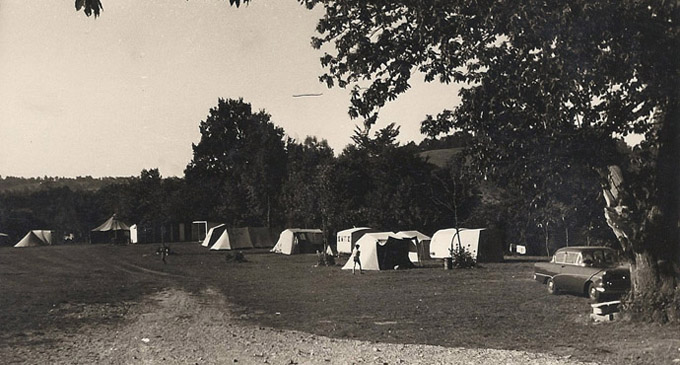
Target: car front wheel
(552, 289)
(593, 294)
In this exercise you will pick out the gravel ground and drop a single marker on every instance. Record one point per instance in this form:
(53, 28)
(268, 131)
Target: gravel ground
(175, 327)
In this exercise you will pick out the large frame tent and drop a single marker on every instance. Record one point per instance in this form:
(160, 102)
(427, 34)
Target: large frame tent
(297, 240)
(382, 251)
(419, 250)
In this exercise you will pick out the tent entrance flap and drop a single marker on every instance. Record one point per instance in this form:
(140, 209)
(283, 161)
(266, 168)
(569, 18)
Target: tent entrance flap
(393, 253)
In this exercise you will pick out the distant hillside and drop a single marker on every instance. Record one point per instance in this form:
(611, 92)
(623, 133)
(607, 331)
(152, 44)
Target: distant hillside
(81, 183)
(440, 157)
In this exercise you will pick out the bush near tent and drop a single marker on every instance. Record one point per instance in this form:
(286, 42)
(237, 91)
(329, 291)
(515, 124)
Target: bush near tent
(382, 251)
(347, 238)
(485, 245)
(296, 240)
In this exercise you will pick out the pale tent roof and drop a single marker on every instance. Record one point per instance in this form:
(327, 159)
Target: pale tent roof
(411, 234)
(288, 241)
(36, 238)
(112, 224)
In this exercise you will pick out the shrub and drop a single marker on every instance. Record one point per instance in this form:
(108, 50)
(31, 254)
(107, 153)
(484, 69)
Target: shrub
(462, 258)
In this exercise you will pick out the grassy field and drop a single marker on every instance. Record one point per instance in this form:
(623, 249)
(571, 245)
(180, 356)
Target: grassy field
(494, 306)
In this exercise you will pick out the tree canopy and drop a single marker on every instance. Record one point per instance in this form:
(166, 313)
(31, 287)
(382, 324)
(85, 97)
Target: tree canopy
(547, 85)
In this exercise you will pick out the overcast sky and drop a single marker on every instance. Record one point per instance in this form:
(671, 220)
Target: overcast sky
(126, 91)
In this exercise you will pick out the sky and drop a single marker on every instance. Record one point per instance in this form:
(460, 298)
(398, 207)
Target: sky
(126, 91)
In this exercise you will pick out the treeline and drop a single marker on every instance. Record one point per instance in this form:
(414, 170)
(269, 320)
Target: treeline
(246, 172)
(30, 184)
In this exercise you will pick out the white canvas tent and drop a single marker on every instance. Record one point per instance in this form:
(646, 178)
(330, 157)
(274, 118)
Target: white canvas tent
(420, 245)
(238, 238)
(296, 240)
(381, 251)
(213, 235)
(348, 237)
(484, 245)
(36, 238)
(108, 231)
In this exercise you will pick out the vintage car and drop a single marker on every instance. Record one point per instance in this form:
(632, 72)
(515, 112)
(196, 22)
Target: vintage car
(592, 271)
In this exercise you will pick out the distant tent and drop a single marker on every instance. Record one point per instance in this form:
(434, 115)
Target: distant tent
(419, 249)
(36, 238)
(348, 237)
(245, 237)
(213, 235)
(113, 230)
(382, 251)
(296, 240)
(484, 245)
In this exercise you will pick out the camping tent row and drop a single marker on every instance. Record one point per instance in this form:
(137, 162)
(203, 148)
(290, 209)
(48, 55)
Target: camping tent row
(37, 238)
(484, 245)
(297, 240)
(222, 238)
(418, 248)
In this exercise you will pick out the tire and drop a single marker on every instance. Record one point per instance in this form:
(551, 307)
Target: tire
(592, 292)
(552, 288)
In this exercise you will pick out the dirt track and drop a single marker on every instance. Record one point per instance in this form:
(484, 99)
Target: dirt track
(175, 327)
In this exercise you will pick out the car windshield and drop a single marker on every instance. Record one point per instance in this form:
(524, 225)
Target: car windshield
(601, 258)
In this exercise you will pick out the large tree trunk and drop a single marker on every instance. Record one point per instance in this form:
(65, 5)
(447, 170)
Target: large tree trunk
(651, 235)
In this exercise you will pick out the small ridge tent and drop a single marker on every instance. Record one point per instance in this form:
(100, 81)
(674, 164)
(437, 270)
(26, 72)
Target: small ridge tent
(296, 240)
(348, 237)
(485, 245)
(213, 235)
(419, 249)
(36, 238)
(113, 230)
(382, 251)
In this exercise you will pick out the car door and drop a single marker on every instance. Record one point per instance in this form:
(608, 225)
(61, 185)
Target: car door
(566, 280)
(578, 274)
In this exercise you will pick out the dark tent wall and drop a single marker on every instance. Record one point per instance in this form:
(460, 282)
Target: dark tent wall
(394, 253)
(490, 247)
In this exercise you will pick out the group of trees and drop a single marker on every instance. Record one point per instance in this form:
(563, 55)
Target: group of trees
(246, 172)
(548, 84)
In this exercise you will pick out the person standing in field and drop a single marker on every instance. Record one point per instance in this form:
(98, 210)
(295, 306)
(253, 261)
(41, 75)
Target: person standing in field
(356, 253)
